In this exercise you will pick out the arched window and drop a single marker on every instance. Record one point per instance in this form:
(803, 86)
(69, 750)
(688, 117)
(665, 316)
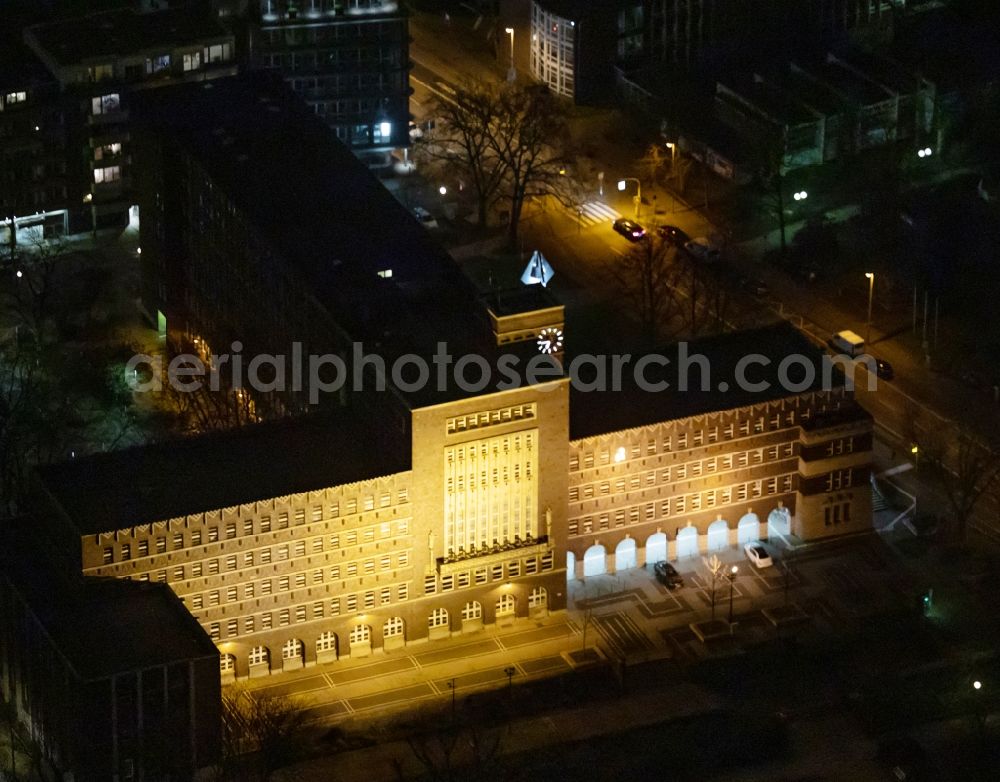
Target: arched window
(538, 598)
(361, 634)
(293, 648)
(393, 627)
(259, 655)
(472, 610)
(438, 618)
(327, 642)
(506, 605)
(227, 663)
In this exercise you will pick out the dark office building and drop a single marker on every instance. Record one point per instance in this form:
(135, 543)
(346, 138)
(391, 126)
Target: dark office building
(348, 59)
(113, 679)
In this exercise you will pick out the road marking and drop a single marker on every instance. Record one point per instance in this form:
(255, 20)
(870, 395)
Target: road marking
(895, 470)
(593, 213)
(434, 89)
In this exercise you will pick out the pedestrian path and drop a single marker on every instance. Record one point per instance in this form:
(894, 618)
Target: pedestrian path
(594, 213)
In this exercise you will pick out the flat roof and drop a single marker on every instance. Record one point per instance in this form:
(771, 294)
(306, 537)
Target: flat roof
(101, 626)
(333, 222)
(595, 413)
(858, 90)
(121, 489)
(125, 31)
(777, 103)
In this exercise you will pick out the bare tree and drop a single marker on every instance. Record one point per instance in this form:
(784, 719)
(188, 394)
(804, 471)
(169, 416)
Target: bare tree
(647, 277)
(962, 466)
(714, 566)
(652, 163)
(260, 734)
(527, 135)
(34, 270)
(461, 142)
(460, 752)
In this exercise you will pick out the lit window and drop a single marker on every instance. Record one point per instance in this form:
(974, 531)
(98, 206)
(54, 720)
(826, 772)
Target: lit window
(105, 104)
(107, 174)
(16, 97)
(385, 274)
(192, 61)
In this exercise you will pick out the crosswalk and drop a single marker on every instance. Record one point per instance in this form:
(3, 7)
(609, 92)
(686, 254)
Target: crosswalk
(594, 213)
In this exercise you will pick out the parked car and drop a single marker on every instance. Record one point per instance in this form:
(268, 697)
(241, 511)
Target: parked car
(667, 575)
(884, 369)
(426, 218)
(673, 234)
(848, 343)
(758, 555)
(703, 249)
(630, 229)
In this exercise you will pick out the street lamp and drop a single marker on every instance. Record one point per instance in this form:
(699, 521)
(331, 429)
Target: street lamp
(510, 670)
(732, 577)
(800, 195)
(977, 685)
(871, 293)
(622, 183)
(443, 190)
(925, 152)
(512, 73)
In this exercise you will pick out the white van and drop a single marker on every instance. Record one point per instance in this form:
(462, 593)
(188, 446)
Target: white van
(847, 342)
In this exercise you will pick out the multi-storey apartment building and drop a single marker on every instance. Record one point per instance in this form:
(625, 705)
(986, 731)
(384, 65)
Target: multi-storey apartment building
(33, 188)
(348, 59)
(98, 62)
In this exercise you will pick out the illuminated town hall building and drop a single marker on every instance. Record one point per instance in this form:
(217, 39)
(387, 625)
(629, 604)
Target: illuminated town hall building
(399, 516)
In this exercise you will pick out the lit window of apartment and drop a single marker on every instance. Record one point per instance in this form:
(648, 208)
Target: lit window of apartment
(213, 597)
(144, 548)
(196, 537)
(730, 431)
(265, 523)
(108, 555)
(231, 594)
(107, 174)
(335, 607)
(351, 538)
(265, 556)
(213, 534)
(179, 573)
(284, 617)
(248, 625)
(230, 530)
(352, 506)
(126, 551)
(16, 97)
(352, 569)
(213, 631)
(300, 613)
(283, 583)
(248, 591)
(744, 428)
(300, 516)
(196, 569)
(682, 440)
(282, 553)
(265, 621)
(283, 520)
(197, 601)
(352, 603)
(231, 562)
(213, 567)
(105, 104)
(574, 462)
(758, 425)
(100, 72)
(192, 61)
(300, 580)
(300, 548)
(220, 52)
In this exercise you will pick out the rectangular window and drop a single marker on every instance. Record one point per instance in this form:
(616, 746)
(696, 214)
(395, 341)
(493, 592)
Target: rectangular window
(231, 594)
(369, 599)
(213, 534)
(283, 583)
(300, 613)
(265, 523)
(105, 104)
(192, 61)
(265, 556)
(143, 548)
(403, 591)
(231, 562)
(284, 617)
(248, 625)
(265, 621)
(178, 541)
(430, 584)
(126, 551)
(231, 530)
(213, 567)
(179, 573)
(352, 603)
(335, 607)
(196, 569)
(197, 601)
(108, 555)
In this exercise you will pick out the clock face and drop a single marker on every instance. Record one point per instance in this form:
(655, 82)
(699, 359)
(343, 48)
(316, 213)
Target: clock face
(550, 340)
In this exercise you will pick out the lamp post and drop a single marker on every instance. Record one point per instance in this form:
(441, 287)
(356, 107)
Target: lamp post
(871, 293)
(622, 183)
(512, 73)
(510, 670)
(451, 686)
(732, 577)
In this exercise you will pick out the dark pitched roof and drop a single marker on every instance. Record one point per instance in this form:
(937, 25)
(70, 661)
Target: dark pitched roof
(599, 412)
(101, 626)
(136, 486)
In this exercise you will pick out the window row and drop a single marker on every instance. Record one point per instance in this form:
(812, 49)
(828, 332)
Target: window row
(307, 612)
(681, 472)
(230, 531)
(682, 504)
(684, 440)
(499, 571)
